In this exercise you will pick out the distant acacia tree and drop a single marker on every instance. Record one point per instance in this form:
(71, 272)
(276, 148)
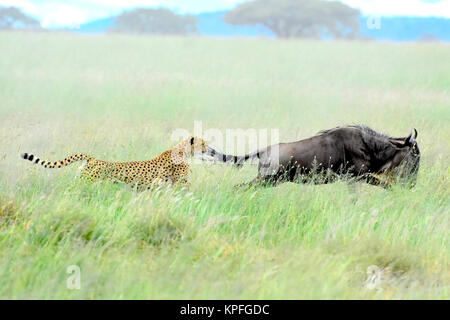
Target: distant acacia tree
(298, 18)
(13, 18)
(155, 21)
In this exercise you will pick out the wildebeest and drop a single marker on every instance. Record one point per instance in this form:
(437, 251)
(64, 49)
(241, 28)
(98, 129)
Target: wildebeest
(354, 151)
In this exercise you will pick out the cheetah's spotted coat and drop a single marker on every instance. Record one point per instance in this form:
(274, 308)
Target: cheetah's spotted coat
(169, 167)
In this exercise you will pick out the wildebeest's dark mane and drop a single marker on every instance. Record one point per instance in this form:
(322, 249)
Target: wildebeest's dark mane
(363, 128)
(372, 132)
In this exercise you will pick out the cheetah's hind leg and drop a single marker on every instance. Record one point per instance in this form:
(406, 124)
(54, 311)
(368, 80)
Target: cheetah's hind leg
(83, 172)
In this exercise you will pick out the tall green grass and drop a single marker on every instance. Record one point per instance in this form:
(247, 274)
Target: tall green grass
(121, 97)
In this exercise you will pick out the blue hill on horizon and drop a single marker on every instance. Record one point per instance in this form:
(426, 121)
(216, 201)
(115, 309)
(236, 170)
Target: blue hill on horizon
(395, 28)
(408, 29)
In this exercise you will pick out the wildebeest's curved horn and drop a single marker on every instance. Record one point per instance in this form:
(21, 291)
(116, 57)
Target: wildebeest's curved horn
(408, 138)
(415, 133)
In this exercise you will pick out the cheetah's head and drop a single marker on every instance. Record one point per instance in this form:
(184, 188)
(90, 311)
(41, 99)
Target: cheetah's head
(195, 145)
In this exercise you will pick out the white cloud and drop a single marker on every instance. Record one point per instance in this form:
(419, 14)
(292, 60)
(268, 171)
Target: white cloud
(62, 15)
(402, 7)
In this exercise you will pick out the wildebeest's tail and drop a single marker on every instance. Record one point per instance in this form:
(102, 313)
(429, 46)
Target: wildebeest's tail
(238, 161)
(56, 164)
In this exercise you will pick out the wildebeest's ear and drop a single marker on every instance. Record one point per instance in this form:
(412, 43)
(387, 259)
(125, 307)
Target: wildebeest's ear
(415, 133)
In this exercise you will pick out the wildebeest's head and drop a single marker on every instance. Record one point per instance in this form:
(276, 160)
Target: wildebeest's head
(406, 159)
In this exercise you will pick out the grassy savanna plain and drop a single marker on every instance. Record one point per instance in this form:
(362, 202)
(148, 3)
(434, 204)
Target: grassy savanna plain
(120, 98)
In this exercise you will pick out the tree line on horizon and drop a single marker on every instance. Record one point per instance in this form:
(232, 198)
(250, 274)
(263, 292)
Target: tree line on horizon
(12, 18)
(284, 18)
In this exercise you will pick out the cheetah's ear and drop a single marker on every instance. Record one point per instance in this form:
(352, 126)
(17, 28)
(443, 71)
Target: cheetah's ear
(192, 140)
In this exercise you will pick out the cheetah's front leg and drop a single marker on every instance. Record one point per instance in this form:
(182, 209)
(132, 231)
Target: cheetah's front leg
(183, 182)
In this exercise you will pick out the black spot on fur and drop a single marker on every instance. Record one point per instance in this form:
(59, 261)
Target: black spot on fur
(31, 157)
(25, 156)
(192, 140)
(36, 161)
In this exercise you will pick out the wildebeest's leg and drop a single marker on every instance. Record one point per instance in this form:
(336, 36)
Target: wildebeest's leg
(361, 173)
(273, 181)
(372, 180)
(271, 172)
(247, 185)
(269, 175)
(260, 181)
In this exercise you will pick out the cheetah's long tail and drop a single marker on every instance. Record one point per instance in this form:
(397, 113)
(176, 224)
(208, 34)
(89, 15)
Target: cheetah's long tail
(56, 164)
(238, 161)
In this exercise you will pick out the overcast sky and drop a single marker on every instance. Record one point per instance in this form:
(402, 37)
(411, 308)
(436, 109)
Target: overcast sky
(53, 13)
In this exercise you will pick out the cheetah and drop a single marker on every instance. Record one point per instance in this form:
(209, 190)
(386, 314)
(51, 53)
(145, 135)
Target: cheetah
(170, 167)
